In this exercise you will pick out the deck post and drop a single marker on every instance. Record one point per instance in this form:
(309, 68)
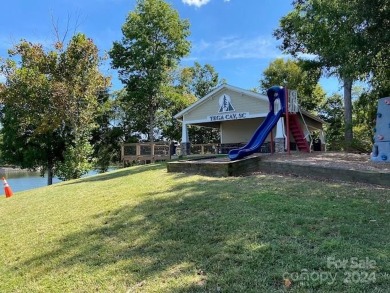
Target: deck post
(185, 143)
(152, 145)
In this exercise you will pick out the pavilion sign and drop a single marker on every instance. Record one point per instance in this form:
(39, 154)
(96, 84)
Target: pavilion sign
(228, 116)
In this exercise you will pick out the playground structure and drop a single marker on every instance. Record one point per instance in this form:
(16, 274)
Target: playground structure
(290, 122)
(236, 114)
(279, 107)
(381, 147)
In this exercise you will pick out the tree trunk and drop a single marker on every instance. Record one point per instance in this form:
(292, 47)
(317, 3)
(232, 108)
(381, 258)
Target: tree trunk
(153, 106)
(151, 124)
(348, 134)
(50, 173)
(50, 161)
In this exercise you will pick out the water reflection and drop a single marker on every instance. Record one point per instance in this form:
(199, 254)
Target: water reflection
(20, 180)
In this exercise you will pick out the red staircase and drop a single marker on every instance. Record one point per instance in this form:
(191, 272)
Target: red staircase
(297, 132)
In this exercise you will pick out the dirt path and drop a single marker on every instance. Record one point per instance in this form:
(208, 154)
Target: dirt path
(340, 160)
(331, 159)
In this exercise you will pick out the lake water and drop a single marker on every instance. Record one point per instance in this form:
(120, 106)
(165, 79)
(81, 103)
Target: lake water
(23, 180)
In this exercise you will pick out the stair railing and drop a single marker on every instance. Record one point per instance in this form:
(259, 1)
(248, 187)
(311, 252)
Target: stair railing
(293, 106)
(307, 128)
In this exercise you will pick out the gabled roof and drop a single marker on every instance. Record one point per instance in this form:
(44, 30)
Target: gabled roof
(219, 89)
(312, 116)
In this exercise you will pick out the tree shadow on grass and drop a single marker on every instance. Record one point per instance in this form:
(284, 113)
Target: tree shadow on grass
(235, 235)
(117, 173)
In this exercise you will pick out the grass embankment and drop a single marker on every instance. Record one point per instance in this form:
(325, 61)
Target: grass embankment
(144, 230)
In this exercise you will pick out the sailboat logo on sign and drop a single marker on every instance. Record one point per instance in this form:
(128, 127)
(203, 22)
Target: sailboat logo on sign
(225, 104)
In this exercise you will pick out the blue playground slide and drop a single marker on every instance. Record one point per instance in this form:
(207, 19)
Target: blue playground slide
(258, 138)
(273, 93)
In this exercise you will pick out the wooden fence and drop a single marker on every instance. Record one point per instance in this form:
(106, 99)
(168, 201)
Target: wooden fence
(144, 152)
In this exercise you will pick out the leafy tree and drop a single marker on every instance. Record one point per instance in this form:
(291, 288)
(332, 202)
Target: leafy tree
(332, 112)
(365, 110)
(50, 102)
(85, 84)
(348, 38)
(380, 85)
(176, 99)
(372, 22)
(292, 74)
(77, 160)
(126, 117)
(198, 81)
(364, 117)
(108, 135)
(154, 40)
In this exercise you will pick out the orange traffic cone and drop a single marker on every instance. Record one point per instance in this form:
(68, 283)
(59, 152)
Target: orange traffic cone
(7, 190)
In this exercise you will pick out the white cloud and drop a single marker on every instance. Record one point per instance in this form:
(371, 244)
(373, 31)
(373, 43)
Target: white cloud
(197, 3)
(307, 56)
(234, 47)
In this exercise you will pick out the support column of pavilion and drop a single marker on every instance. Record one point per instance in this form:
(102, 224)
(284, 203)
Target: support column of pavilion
(185, 142)
(280, 141)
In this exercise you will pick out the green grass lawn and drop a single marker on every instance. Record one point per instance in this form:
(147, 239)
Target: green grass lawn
(142, 229)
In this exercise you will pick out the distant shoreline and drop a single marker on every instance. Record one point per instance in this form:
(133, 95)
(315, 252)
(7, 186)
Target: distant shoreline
(4, 170)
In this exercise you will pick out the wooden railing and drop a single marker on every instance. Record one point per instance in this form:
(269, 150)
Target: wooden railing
(147, 152)
(210, 148)
(293, 106)
(144, 152)
(204, 149)
(153, 152)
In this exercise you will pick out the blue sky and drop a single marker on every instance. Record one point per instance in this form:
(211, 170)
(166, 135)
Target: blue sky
(234, 36)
